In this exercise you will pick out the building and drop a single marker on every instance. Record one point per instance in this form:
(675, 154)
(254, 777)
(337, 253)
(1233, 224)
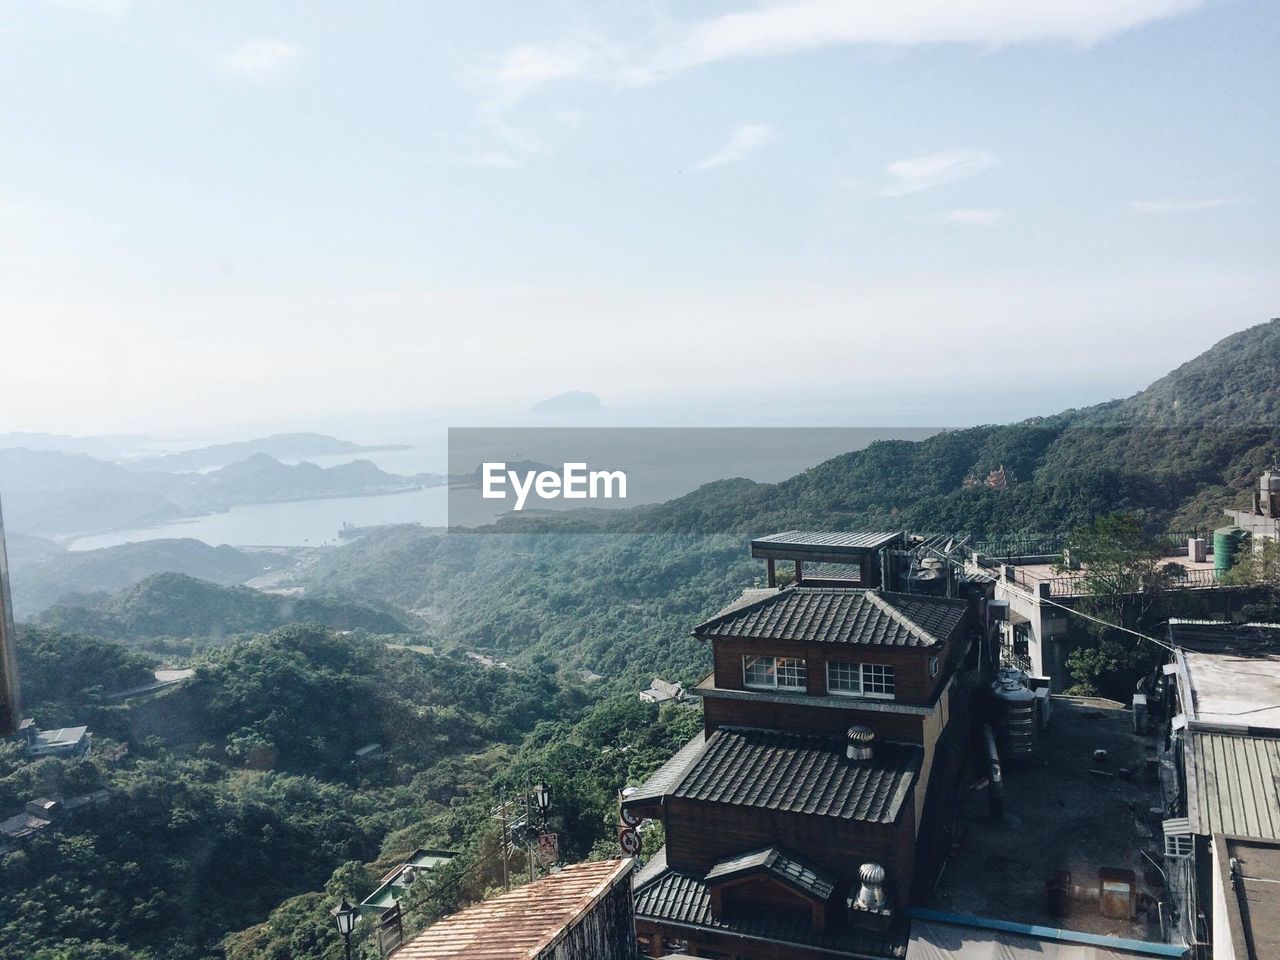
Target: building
(794, 819)
(1262, 522)
(63, 742)
(584, 912)
(1037, 587)
(397, 880)
(1246, 898)
(1218, 699)
(662, 691)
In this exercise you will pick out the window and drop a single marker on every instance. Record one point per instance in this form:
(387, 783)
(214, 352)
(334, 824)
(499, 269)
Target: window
(933, 666)
(843, 677)
(860, 679)
(1178, 845)
(783, 673)
(877, 680)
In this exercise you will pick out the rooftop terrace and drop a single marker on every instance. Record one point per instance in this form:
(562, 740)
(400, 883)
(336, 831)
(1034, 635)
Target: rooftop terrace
(1060, 815)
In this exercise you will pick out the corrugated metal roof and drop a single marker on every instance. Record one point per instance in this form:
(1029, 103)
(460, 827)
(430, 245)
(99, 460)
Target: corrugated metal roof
(795, 874)
(520, 924)
(1233, 784)
(671, 897)
(774, 770)
(851, 540)
(841, 615)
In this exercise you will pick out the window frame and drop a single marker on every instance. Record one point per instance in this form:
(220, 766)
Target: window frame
(780, 667)
(888, 673)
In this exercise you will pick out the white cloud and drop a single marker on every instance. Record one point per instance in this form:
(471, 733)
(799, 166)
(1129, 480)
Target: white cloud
(923, 173)
(780, 28)
(743, 141)
(1187, 205)
(777, 28)
(971, 216)
(260, 60)
(116, 9)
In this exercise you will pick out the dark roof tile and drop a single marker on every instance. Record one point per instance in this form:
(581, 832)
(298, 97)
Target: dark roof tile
(841, 615)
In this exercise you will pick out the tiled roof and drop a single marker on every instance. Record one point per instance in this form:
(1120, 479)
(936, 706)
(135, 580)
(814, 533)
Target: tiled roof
(670, 897)
(521, 924)
(808, 881)
(668, 775)
(841, 615)
(774, 770)
(1233, 784)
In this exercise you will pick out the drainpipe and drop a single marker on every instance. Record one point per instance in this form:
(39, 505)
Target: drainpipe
(996, 794)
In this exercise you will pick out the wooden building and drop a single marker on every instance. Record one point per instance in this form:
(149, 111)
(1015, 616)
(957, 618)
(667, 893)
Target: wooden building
(793, 820)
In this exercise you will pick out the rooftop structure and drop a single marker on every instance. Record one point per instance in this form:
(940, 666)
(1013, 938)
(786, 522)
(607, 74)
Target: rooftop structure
(835, 615)
(937, 936)
(1071, 824)
(662, 691)
(63, 742)
(396, 881)
(793, 773)
(584, 912)
(1246, 894)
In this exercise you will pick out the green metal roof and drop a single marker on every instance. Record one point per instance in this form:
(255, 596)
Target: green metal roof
(1233, 784)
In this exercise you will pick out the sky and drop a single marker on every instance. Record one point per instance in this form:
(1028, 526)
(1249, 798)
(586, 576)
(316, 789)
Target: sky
(231, 217)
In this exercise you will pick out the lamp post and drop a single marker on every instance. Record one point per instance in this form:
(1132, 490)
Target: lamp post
(344, 918)
(542, 797)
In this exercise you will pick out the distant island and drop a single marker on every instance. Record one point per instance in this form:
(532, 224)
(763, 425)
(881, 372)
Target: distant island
(287, 446)
(572, 401)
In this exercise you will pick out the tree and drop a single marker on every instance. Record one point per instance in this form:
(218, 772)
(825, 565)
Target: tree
(1123, 581)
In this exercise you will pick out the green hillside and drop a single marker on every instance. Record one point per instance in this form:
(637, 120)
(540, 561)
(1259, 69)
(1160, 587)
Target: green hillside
(620, 600)
(178, 606)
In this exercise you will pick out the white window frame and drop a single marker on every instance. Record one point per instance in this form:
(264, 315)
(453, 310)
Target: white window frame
(1179, 845)
(865, 673)
(780, 668)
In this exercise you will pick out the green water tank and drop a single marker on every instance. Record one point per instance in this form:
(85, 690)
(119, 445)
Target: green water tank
(1227, 542)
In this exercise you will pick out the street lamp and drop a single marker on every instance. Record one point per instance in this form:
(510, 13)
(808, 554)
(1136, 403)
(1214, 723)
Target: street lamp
(542, 797)
(344, 918)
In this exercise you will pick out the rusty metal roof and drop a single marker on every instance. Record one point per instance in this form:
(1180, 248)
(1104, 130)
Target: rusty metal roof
(841, 615)
(1233, 784)
(795, 773)
(521, 924)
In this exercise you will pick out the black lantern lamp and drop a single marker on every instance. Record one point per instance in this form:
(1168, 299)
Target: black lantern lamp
(542, 797)
(344, 918)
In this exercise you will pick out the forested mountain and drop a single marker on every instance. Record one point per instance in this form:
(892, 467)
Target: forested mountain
(54, 494)
(1174, 454)
(42, 573)
(177, 606)
(288, 446)
(241, 788)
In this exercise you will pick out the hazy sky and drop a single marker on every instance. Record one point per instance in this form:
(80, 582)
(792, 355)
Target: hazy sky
(297, 214)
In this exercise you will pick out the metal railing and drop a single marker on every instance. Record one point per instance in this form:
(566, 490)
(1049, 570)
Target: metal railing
(1071, 584)
(1172, 542)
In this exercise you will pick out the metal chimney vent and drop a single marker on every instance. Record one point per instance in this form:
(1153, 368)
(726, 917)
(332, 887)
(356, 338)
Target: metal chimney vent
(872, 896)
(861, 743)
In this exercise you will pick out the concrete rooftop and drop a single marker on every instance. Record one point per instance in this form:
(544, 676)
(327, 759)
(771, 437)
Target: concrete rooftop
(1059, 816)
(1234, 690)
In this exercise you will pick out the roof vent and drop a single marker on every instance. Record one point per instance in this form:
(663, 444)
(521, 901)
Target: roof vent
(871, 897)
(861, 741)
